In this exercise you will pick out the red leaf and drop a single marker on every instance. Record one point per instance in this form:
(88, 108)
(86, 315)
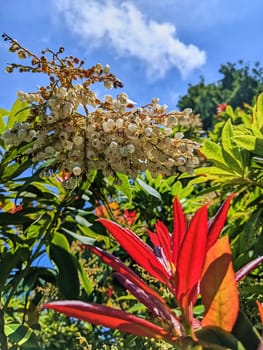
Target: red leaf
(108, 317)
(164, 238)
(154, 305)
(191, 258)
(154, 238)
(244, 271)
(137, 249)
(178, 230)
(124, 270)
(218, 287)
(216, 224)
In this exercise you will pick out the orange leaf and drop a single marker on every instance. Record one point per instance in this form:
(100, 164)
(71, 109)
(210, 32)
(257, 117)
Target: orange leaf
(260, 310)
(218, 287)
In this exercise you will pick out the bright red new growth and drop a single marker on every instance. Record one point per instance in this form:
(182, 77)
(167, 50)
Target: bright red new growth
(186, 260)
(217, 223)
(108, 317)
(137, 249)
(191, 258)
(178, 229)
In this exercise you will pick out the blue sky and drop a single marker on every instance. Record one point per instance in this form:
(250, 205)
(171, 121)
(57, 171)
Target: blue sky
(155, 47)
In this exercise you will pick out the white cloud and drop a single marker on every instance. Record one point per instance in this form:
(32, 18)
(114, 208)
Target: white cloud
(121, 25)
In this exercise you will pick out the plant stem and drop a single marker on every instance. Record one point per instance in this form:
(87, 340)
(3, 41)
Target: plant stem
(3, 339)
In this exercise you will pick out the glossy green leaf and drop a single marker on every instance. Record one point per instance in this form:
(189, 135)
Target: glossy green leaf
(230, 147)
(60, 240)
(3, 113)
(19, 113)
(148, 189)
(217, 336)
(9, 261)
(86, 282)
(257, 124)
(68, 280)
(214, 153)
(82, 221)
(245, 332)
(125, 186)
(82, 239)
(22, 336)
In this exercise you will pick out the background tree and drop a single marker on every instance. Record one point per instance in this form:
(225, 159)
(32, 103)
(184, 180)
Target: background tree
(241, 83)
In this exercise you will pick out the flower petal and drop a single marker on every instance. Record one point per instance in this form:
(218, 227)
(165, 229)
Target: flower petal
(139, 251)
(107, 317)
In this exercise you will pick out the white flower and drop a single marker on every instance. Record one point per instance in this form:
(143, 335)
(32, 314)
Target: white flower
(77, 171)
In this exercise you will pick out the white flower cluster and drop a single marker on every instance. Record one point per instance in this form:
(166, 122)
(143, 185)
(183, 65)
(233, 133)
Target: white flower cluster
(112, 136)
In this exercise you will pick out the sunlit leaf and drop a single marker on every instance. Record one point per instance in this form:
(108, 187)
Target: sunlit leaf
(216, 224)
(19, 113)
(124, 270)
(82, 239)
(179, 227)
(108, 317)
(137, 249)
(260, 310)
(191, 257)
(230, 147)
(22, 336)
(218, 287)
(148, 189)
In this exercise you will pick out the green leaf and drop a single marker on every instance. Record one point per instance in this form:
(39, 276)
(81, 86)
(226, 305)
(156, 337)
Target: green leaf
(91, 234)
(86, 282)
(22, 336)
(19, 113)
(247, 142)
(3, 113)
(244, 331)
(82, 221)
(234, 155)
(217, 336)
(82, 239)
(68, 280)
(257, 124)
(125, 186)
(149, 189)
(214, 153)
(8, 262)
(212, 173)
(18, 218)
(60, 240)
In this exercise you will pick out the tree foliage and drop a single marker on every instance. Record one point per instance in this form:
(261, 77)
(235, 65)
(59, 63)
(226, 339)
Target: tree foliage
(241, 83)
